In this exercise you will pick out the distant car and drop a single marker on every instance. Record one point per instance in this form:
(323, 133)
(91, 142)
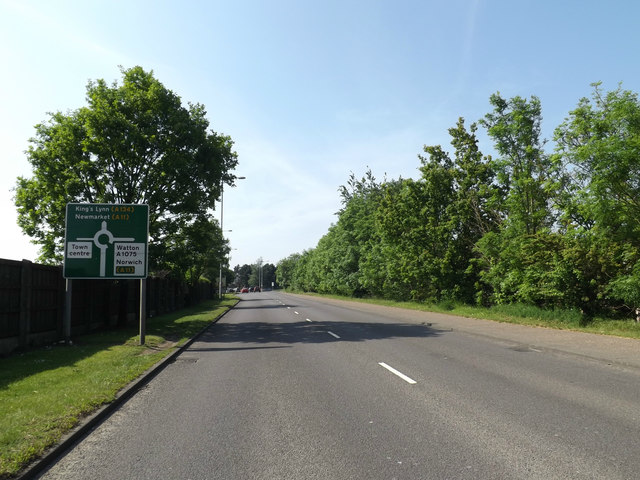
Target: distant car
(244, 290)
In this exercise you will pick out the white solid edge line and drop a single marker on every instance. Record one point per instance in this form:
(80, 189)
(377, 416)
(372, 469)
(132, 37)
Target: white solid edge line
(333, 334)
(396, 372)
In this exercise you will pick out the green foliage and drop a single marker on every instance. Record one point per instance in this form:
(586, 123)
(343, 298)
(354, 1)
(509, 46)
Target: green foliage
(523, 170)
(334, 266)
(626, 285)
(242, 274)
(132, 143)
(515, 259)
(268, 274)
(556, 232)
(528, 269)
(533, 315)
(196, 249)
(301, 278)
(600, 143)
(259, 274)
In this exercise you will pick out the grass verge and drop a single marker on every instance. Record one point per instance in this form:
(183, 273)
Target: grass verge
(518, 314)
(45, 392)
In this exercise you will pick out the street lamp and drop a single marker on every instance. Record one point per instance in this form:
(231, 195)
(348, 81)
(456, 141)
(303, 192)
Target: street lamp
(222, 230)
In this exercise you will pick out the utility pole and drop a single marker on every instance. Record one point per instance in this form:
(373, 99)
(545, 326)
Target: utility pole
(222, 231)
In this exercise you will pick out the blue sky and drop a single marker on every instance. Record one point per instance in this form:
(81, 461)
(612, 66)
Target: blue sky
(310, 91)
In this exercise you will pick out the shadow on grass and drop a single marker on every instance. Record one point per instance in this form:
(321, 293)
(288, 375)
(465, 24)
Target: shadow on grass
(184, 323)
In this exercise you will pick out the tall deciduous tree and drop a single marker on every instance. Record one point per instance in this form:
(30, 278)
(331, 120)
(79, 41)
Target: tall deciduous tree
(353, 235)
(242, 274)
(268, 275)
(195, 250)
(511, 257)
(285, 270)
(600, 144)
(132, 143)
(523, 168)
(475, 210)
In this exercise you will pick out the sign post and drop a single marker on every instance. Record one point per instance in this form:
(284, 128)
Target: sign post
(66, 323)
(107, 241)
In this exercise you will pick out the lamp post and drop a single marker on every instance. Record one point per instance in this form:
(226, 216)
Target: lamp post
(222, 231)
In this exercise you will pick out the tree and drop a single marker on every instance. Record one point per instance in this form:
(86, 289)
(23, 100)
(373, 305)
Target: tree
(523, 169)
(600, 145)
(398, 267)
(421, 223)
(242, 275)
(512, 258)
(475, 211)
(197, 249)
(268, 275)
(477, 196)
(353, 236)
(428, 229)
(256, 278)
(228, 275)
(285, 270)
(304, 277)
(132, 143)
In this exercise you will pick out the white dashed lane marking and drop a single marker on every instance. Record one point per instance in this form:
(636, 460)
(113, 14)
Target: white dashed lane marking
(396, 372)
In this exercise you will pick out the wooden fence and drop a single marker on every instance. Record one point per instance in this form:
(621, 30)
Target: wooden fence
(32, 303)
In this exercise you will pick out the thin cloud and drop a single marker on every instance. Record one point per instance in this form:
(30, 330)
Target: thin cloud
(63, 32)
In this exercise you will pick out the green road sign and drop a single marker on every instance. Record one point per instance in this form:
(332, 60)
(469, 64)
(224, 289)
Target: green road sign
(105, 240)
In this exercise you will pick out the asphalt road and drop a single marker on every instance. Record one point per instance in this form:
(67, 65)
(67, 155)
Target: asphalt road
(288, 387)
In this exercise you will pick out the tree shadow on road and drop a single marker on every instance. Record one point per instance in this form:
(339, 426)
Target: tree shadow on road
(313, 332)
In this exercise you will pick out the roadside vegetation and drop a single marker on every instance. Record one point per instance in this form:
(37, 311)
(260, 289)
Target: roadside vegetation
(531, 228)
(46, 392)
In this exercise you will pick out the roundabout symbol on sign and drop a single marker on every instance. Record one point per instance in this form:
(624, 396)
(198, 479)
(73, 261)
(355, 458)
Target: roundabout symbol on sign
(103, 246)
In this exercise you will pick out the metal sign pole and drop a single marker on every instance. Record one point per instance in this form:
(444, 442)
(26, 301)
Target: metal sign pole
(66, 324)
(143, 309)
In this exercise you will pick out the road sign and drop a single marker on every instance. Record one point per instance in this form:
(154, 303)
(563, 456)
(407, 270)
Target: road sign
(105, 240)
